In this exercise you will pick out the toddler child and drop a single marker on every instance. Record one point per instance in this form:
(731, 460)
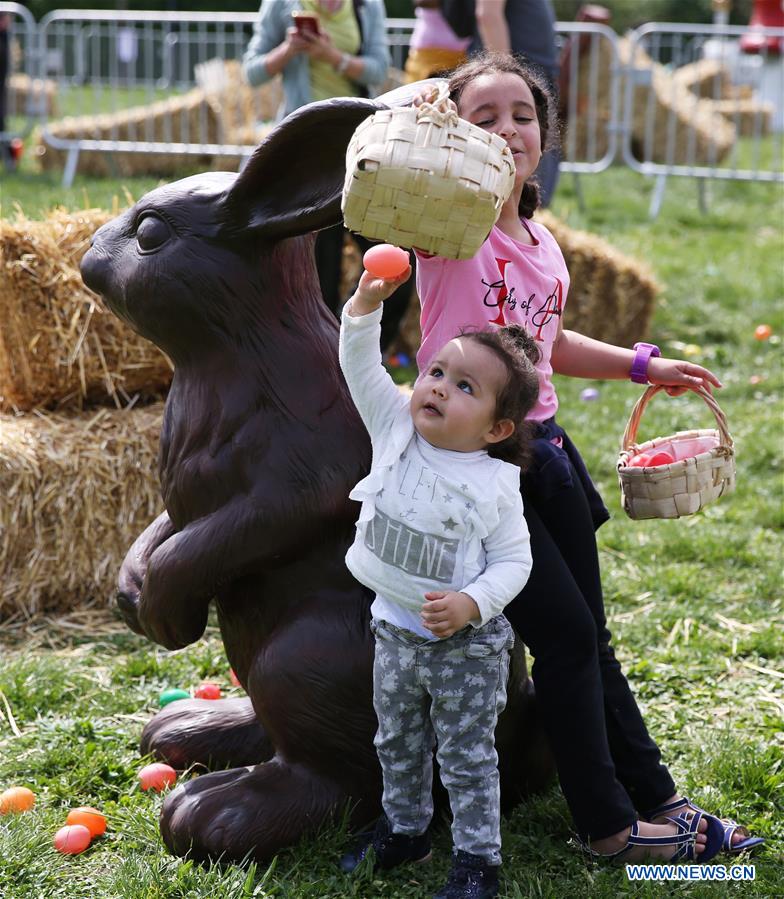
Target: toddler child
(442, 540)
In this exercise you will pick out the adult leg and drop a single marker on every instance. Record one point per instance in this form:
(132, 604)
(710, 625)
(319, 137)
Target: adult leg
(329, 262)
(636, 757)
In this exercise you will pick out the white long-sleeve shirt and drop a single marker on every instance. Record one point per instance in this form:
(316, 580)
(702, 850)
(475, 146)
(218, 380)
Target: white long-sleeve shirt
(431, 519)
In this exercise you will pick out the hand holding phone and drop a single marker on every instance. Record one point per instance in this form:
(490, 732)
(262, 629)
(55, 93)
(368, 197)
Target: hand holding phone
(306, 23)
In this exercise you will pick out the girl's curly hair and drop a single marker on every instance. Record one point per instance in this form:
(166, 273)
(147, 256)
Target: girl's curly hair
(488, 63)
(518, 352)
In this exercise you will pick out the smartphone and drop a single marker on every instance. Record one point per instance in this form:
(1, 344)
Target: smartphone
(305, 22)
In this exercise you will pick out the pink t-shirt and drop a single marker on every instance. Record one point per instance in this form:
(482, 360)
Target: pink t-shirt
(505, 282)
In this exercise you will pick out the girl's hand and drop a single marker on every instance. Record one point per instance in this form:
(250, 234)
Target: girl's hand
(428, 95)
(443, 614)
(372, 291)
(678, 376)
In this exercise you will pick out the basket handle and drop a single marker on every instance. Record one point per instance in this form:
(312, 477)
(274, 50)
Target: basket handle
(630, 434)
(437, 110)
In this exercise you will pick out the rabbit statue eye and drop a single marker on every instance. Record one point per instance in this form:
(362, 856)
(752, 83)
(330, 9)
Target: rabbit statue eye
(151, 233)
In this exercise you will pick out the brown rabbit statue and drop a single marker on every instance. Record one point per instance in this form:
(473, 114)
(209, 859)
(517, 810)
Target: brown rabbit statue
(260, 446)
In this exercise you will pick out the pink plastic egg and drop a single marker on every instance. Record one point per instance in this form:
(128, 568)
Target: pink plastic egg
(385, 261)
(157, 777)
(207, 690)
(72, 839)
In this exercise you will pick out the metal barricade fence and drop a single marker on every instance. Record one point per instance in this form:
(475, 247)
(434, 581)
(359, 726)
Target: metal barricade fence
(696, 104)
(153, 91)
(25, 99)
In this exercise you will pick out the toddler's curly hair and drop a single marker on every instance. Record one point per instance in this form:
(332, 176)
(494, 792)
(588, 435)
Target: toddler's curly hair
(518, 352)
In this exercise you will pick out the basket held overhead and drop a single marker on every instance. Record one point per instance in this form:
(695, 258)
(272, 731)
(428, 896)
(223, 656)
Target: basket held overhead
(686, 485)
(423, 177)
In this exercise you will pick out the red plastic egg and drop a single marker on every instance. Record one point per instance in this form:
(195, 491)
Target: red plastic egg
(660, 458)
(207, 690)
(16, 799)
(639, 461)
(761, 332)
(88, 817)
(72, 839)
(385, 261)
(157, 777)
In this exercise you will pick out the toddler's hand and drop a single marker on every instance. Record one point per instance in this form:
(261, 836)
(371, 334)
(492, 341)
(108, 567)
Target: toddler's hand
(678, 376)
(372, 291)
(445, 613)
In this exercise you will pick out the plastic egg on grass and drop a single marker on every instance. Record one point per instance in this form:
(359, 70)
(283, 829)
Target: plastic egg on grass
(72, 839)
(88, 817)
(589, 395)
(763, 332)
(157, 777)
(385, 261)
(207, 690)
(16, 799)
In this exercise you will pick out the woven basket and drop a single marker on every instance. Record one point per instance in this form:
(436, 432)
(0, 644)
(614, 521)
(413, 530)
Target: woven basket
(684, 486)
(423, 177)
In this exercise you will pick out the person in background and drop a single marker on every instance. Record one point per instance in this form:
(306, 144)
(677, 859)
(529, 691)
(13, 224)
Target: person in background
(345, 55)
(434, 47)
(524, 28)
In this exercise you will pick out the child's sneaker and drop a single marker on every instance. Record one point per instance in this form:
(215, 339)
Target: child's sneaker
(470, 878)
(391, 849)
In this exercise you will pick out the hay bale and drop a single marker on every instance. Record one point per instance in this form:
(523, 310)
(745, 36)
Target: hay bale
(33, 96)
(238, 107)
(611, 297)
(77, 490)
(749, 117)
(58, 344)
(709, 78)
(670, 124)
(187, 118)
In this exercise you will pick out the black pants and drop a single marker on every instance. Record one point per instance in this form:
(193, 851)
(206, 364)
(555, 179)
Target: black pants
(607, 763)
(329, 257)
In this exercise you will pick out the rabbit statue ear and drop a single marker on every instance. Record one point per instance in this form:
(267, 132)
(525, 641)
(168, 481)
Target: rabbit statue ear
(293, 182)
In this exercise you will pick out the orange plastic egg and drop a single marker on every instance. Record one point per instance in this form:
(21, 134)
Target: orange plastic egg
(763, 332)
(89, 817)
(157, 777)
(385, 261)
(207, 690)
(233, 678)
(16, 799)
(72, 839)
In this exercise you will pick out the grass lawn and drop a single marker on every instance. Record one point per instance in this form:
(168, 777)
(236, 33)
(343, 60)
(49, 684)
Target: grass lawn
(695, 605)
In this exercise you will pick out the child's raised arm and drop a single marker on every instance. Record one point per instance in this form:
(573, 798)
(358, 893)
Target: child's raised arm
(371, 292)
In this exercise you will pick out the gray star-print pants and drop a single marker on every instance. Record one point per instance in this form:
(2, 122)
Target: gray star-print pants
(448, 692)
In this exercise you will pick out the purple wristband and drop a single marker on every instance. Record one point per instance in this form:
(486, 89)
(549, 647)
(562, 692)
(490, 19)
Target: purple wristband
(643, 353)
